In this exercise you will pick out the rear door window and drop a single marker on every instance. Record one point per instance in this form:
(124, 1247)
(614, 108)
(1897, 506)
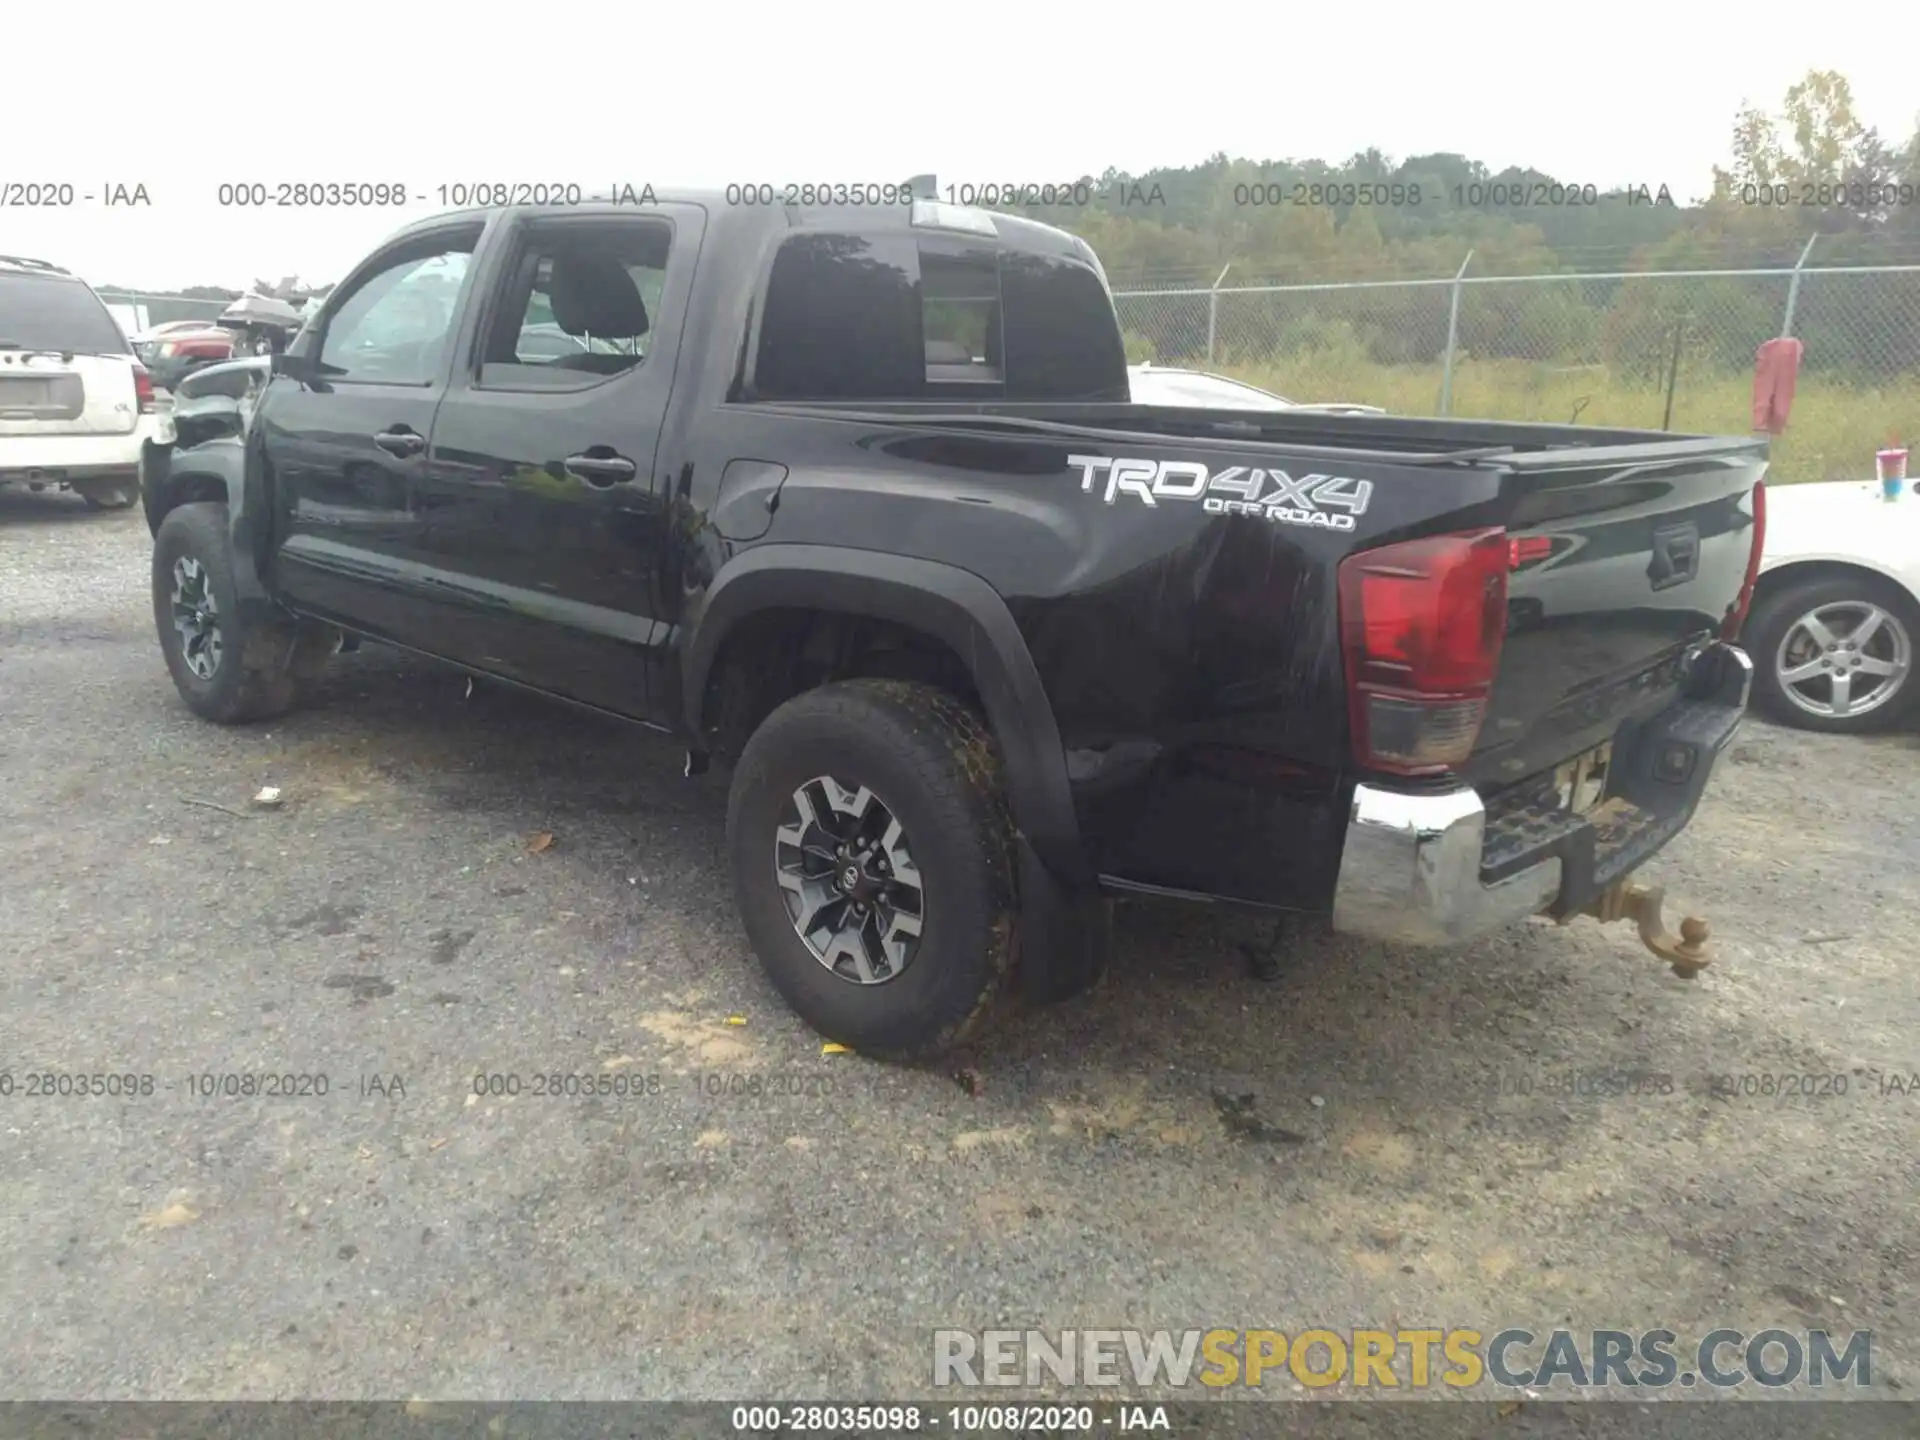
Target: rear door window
(578, 302)
(842, 321)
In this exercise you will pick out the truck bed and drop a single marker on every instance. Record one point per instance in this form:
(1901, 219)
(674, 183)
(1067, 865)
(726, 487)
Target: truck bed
(1599, 616)
(1405, 439)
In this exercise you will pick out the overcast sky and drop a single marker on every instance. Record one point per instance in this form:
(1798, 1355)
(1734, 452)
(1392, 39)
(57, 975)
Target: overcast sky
(1633, 92)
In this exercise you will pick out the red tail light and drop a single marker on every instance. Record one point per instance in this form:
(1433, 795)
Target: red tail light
(1737, 616)
(1421, 623)
(1525, 549)
(143, 388)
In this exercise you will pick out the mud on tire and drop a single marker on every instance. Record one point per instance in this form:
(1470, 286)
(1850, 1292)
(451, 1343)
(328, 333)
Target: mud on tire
(923, 759)
(232, 672)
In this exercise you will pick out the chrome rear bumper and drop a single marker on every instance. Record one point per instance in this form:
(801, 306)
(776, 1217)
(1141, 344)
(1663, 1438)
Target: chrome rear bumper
(1410, 873)
(1413, 868)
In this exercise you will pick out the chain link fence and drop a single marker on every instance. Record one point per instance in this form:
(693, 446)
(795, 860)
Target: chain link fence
(1647, 350)
(143, 310)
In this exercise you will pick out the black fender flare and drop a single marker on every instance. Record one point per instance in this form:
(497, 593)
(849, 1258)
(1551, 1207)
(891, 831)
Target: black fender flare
(952, 605)
(170, 477)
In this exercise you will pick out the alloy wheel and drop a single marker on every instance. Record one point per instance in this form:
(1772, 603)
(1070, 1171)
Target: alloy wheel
(1844, 659)
(848, 877)
(196, 617)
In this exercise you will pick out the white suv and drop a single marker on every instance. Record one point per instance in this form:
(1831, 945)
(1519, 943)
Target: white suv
(77, 410)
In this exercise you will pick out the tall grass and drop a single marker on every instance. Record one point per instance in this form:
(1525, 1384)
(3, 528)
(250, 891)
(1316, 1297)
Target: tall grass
(1834, 430)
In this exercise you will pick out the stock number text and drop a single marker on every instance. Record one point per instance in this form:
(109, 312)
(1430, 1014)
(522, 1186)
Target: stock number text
(1862, 195)
(872, 193)
(311, 194)
(1300, 192)
(48, 1084)
(792, 1419)
(561, 1085)
(1582, 1083)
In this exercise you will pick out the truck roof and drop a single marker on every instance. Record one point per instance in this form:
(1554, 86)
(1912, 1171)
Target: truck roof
(1012, 232)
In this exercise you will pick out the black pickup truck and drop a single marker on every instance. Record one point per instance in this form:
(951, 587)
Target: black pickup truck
(856, 501)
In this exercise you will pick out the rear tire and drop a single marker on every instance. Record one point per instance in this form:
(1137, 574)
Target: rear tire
(226, 670)
(1779, 644)
(895, 759)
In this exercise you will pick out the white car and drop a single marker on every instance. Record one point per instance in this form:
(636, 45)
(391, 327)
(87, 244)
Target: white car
(1836, 612)
(1155, 385)
(77, 409)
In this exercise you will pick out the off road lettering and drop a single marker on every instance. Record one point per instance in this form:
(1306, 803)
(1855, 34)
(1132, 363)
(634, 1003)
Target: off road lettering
(1329, 502)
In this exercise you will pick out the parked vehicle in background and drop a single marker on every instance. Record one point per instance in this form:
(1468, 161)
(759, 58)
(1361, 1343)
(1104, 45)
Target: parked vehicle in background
(1836, 613)
(77, 408)
(264, 311)
(857, 501)
(174, 356)
(169, 328)
(263, 323)
(1160, 385)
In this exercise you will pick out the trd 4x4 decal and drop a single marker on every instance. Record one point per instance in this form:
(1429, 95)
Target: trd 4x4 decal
(1329, 502)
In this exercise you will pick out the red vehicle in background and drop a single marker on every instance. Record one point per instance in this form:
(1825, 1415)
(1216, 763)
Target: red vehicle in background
(175, 350)
(252, 325)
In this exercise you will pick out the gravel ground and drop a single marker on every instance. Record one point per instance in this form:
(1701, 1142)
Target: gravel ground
(1185, 1148)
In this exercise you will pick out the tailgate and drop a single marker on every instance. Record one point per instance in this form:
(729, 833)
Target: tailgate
(1622, 558)
(60, 395)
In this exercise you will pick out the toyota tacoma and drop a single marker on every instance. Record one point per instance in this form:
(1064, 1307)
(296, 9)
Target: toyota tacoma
(856, 501)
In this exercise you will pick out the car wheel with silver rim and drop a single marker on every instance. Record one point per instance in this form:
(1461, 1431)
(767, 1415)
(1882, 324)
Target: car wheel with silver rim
(1835, 652)
(196, 617)
(848, 877)
(873, 863)
(225, 669)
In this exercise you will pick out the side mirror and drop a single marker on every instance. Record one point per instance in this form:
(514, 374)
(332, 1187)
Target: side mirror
(294, 367)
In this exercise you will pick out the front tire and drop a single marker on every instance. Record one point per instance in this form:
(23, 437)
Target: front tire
(1835, 654)
(227, 670)
(873, 865)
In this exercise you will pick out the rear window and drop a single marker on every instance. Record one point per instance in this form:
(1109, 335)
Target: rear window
(905, 317)
(43, 312)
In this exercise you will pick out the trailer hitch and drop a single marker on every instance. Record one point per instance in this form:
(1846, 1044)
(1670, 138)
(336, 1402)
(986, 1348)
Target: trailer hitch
(1642, 905)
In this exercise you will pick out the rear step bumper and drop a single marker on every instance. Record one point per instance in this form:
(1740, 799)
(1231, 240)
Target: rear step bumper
(1441, 867)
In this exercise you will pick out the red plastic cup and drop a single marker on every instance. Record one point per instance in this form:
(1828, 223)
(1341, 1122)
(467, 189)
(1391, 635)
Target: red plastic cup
(1892, 464)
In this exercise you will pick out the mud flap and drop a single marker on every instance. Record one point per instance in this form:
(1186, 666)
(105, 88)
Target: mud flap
(1066, 937)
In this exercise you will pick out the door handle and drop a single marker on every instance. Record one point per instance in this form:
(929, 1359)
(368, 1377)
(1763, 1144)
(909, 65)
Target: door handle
(601, 470)
(400, 442)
